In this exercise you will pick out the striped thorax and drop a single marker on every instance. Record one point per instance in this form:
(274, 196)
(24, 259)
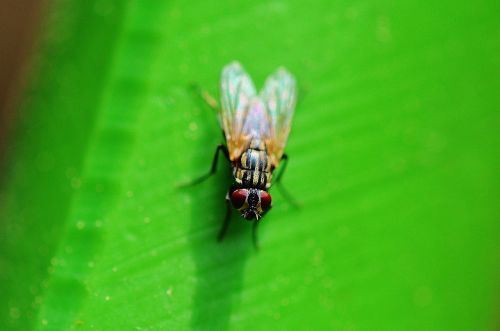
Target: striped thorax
(253, 169)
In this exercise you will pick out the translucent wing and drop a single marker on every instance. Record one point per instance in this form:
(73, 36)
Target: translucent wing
(257, 124)
(279, 97)
(237, 95)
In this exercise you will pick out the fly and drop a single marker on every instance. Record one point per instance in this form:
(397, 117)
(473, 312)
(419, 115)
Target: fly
(256, 128)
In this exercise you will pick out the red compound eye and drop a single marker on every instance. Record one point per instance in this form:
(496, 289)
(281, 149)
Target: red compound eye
(238, 198)
(265, 200)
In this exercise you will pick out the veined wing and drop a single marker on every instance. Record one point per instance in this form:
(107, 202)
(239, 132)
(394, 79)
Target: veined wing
(279, 97)
(257, 124)
(237, 93)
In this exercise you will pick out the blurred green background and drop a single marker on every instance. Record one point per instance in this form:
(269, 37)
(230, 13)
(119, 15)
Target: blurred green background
(394, 156)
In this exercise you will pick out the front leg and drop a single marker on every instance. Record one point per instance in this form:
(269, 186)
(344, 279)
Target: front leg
(227, 218)
(282, 189)
(284, 158)
(213, 169)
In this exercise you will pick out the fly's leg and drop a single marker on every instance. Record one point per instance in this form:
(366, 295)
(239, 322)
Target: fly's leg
(282, 189)
(227, 218)
(205, 96)
(213, 170)
(284, 158)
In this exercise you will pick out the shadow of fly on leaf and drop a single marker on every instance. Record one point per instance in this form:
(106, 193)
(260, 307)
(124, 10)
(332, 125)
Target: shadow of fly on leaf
(256, 128)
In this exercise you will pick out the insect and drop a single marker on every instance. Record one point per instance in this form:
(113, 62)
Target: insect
(256, 128)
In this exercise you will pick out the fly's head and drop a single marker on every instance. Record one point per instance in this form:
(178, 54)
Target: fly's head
(251, 202)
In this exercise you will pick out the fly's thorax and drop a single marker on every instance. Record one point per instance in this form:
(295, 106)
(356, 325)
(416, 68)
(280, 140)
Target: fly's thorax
(253, 168)
(252, 178)
(253, 159)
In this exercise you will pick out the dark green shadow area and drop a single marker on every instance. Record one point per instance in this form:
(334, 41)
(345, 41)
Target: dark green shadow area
(48, 147)
(219, 266)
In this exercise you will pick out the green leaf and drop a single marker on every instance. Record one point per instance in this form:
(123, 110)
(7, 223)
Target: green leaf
(393, 156)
